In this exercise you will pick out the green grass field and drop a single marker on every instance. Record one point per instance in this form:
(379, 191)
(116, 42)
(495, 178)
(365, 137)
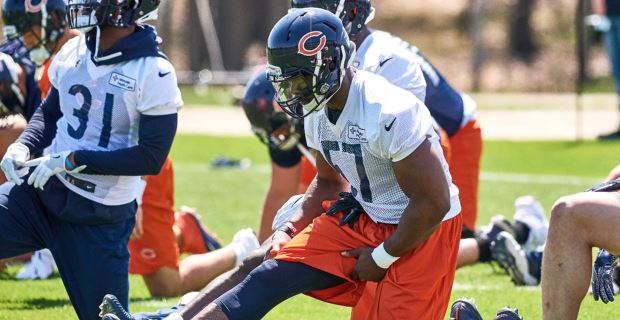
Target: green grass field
(229, 199)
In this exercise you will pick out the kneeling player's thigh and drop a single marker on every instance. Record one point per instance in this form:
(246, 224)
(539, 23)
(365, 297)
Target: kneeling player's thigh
(93, 261)
(23, 224)
(418, 285)
(599, 215)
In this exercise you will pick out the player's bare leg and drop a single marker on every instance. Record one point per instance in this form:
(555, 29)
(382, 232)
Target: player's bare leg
(469, 252)
(194, 271)
(578, 223)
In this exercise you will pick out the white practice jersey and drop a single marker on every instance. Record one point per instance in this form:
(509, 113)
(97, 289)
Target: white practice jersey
(101, 108)
(381, 54)
(380, 124)
(435, 79)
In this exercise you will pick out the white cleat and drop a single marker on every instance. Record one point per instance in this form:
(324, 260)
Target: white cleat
(529, 212)
(40, 266)
(244, 242)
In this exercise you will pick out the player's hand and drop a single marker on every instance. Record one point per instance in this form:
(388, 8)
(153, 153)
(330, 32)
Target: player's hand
(138, 231)
(366, 269)
(12, 163)
(48, 166)
(278, 240)
(614, 174)
(602, 276)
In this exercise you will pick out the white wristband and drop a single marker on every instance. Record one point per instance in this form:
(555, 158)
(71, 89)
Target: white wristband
(382, 258)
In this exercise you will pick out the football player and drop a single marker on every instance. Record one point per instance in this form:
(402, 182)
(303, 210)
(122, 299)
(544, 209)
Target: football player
(43, 28)
(377, 141)
(110, 117)
(386, 55)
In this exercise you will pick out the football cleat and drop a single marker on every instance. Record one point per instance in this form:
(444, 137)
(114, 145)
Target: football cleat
(196, 237)
(514, 260)
(498, 224)
(464, 309)
(40, 266)
(244, 242)
(112, 309)
(529, 212)
(506, 313)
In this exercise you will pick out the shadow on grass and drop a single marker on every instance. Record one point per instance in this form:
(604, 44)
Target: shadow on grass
(34, 303)
(10, 276)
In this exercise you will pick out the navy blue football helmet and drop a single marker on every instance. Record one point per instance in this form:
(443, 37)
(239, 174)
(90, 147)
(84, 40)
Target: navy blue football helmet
(86, 14)
(272, 126)
(20, 16)
(308, 53)
(355, 14)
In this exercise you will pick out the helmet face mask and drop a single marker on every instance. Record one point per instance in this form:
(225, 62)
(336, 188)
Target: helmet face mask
(87, 14)
(40, 22)
(269, 123)
(308, 52)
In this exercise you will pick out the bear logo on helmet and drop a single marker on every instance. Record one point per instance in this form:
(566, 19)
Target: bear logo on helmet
(302, 43)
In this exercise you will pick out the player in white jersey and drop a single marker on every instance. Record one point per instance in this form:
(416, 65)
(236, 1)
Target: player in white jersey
(110, 117)
(402, 209)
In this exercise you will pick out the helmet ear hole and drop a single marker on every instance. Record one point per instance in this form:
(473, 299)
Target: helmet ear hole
(332, 65)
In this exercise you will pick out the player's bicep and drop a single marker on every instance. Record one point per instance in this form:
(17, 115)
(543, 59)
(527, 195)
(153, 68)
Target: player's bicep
(420, 175)
(324, 170)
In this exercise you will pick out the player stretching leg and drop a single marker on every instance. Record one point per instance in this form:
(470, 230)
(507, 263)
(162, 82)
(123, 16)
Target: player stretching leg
(367, 121)
(110, 117)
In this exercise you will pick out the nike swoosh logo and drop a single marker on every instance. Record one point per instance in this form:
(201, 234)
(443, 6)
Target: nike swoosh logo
(161, 75)
(381, 63)
(389, 127)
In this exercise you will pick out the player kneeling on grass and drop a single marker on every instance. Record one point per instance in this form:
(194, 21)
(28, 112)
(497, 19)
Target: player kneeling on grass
(578, 223)
(380, 138)
(110, 118)
(161, 235)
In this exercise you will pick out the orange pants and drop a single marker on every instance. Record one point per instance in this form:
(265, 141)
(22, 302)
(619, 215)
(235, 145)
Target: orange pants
(158, 246)
(417, 286)
(466, 151)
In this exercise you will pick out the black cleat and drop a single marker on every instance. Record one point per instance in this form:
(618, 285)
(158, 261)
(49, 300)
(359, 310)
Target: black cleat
(506, 313)
(112, 309)
(464, 309)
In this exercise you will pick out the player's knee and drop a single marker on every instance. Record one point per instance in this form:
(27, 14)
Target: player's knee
(164, 289)
(562, 213)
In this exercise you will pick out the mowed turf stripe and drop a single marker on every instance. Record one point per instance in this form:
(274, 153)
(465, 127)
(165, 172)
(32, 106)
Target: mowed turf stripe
(514, 177)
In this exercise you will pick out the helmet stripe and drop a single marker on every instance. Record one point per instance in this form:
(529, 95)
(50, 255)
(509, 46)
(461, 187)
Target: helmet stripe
(340, 8)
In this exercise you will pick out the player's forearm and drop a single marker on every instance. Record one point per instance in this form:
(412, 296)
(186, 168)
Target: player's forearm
(318, 191)
(598, 7)
(41, 128)
(147, 158)
(418, 222)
